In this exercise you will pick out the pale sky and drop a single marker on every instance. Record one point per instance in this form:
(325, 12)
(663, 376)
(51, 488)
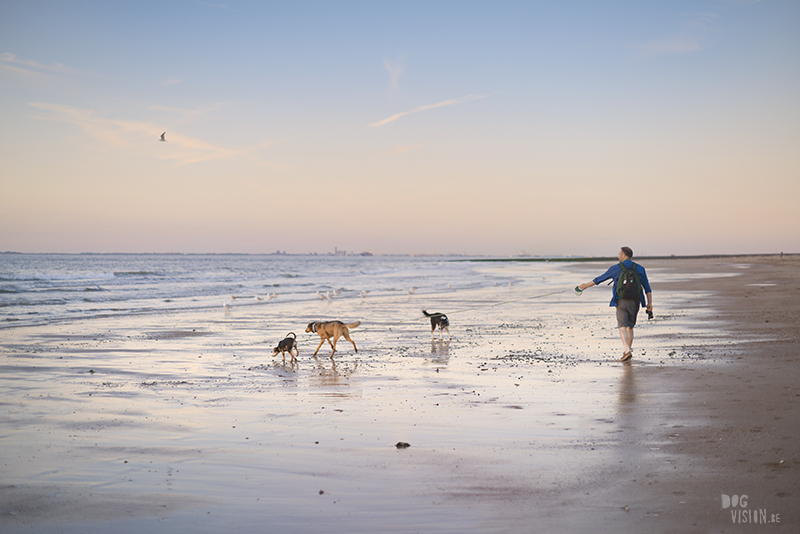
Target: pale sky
(498, 128)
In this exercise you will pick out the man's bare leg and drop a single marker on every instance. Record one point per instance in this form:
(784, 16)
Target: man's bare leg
(626, 334)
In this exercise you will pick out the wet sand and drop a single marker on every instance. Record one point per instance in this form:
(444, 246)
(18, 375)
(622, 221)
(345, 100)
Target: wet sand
(523, 422)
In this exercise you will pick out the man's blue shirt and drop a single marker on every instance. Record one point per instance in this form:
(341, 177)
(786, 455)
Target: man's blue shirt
(614, 271)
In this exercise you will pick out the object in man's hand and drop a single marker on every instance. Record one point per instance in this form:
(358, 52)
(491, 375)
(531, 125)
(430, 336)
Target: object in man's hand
(649, 314)
(578, 290)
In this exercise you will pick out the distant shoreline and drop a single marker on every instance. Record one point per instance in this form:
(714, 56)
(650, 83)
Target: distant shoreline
(643, 258)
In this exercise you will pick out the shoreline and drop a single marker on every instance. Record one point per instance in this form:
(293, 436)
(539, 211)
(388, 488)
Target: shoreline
(672, 257)
(505, 431)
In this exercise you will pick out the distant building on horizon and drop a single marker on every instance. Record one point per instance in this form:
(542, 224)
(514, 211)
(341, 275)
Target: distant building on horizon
(337, 252)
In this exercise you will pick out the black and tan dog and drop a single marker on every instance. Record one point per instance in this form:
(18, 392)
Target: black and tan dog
(440, 321)
(286, 345)
(332, 329)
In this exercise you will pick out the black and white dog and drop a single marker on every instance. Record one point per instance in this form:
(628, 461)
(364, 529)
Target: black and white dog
(286, 345)
(440, 321)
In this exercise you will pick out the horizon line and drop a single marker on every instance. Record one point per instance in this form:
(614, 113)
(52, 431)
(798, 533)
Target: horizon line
(482, 257)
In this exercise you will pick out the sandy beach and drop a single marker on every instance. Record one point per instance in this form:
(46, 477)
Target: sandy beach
(524, 421)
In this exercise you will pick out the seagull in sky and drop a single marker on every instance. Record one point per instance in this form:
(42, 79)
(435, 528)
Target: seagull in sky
(162, 136)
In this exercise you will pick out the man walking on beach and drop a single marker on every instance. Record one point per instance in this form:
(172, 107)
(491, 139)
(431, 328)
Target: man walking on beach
(630, 289)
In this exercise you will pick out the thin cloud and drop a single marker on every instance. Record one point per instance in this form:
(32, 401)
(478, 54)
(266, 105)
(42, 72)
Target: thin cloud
(4, 67)
(700, 21)
(395, 70)
(180, 149)
(444, 103)
(112, 132)
(10, 62)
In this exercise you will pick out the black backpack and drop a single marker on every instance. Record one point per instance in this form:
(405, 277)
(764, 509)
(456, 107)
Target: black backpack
(629, 285)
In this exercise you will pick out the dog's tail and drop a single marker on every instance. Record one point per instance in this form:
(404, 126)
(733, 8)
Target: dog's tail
(292, 334)
(437, 314)
(353, 325)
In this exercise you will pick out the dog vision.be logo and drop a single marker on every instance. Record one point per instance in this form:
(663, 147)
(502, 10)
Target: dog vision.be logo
(741, 514)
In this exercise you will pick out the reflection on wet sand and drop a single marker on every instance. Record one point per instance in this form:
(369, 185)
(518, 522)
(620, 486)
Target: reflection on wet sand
(627, 389)
(287, 367)
(329, 374)
(633, 417)
(286, 370)
(440, 349)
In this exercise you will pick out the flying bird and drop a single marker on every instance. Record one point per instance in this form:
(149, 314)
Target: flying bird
(162, 136)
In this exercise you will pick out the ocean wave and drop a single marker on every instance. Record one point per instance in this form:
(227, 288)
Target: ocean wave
(378, 272)
(56, 277)
(45, 302)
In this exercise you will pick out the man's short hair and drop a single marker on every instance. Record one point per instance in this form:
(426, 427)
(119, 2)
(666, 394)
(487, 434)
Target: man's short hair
(627, 251)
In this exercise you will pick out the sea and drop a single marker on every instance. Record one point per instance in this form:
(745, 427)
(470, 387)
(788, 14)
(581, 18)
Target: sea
(38, 289)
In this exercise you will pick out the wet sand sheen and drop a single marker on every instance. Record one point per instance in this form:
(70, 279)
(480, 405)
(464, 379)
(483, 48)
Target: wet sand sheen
(523, 419)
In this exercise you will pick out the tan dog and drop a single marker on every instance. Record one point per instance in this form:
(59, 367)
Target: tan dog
(332, 329)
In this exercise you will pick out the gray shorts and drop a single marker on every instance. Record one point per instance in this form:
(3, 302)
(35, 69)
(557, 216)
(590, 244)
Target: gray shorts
(627, 310)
